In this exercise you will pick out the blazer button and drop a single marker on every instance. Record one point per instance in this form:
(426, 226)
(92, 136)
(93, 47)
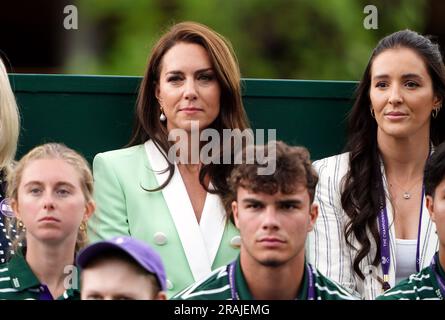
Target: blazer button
(236, 242)
(160, 238)
(170, 285)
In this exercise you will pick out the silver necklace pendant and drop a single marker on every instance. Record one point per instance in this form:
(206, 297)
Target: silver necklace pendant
(406, 195)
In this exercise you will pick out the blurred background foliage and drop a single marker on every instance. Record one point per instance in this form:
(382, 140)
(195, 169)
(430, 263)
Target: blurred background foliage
(277, 39)
(280, 39)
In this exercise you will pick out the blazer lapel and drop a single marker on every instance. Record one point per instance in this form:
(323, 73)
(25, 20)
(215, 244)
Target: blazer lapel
(200, 242)
(213, 221)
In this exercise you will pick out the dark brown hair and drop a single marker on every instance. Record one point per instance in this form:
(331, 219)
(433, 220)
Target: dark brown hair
(363, 194)
(232, 114)
(434, 170)
(293, 168)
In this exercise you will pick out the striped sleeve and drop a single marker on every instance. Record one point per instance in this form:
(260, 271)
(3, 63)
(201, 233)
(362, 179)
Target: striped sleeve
(6, 288)
(326, 245)
(420, 286)
(213, 287)
(328, 289)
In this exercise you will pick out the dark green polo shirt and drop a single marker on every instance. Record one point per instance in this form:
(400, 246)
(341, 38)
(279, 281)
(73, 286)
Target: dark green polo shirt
(216, 286)
(18, 282)
(420, 286)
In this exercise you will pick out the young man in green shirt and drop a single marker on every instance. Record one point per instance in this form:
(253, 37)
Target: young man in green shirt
(273, 213)
(429, 283)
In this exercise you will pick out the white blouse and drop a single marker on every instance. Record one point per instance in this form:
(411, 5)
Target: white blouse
(406, 258)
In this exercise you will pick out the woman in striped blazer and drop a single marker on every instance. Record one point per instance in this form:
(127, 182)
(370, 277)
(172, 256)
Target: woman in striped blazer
(374, 228)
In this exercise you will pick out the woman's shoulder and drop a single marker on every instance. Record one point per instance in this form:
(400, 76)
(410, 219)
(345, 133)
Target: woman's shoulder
(120, 154)
(336, 161)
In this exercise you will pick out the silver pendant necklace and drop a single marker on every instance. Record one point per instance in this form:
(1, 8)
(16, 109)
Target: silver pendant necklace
(406, 194)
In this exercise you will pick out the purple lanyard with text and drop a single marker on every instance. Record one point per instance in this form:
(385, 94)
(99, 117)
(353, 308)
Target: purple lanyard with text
(440, 280)
(384, 238)
(235, 295)
(384, 242)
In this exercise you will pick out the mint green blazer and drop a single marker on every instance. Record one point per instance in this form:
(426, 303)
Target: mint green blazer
(164, 219)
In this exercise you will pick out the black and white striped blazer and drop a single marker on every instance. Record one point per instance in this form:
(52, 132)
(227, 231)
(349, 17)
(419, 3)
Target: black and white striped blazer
(326, 246)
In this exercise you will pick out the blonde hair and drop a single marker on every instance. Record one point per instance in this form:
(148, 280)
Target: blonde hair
(9, 121)
(50, 151)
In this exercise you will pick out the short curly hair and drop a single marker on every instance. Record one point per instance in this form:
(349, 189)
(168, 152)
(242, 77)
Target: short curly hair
(293, 168)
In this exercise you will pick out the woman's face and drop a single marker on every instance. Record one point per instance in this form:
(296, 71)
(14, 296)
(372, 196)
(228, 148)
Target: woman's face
(188, 89)
(50, 201)
(401, 94)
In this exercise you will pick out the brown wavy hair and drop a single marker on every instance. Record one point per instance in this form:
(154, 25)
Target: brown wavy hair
(363, 193)
(232, 114)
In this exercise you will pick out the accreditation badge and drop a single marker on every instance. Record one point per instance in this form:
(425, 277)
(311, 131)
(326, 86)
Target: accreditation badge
(6, 209)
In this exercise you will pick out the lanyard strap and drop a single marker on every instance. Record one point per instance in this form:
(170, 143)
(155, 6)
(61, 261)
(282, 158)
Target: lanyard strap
(419, 229)
(231, 271)
(311, 283)
(384, 242)
(384, 247)
(440, 280)
(384, 237)
(235, 295)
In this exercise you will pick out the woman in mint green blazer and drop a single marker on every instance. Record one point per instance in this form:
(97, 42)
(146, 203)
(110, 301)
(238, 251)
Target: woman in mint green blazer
(192, 83)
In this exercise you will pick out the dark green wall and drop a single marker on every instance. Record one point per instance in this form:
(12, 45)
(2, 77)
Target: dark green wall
(95, 113)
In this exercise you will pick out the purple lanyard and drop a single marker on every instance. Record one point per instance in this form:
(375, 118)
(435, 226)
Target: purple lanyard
(235, 295)
(440, 280)
(384, 242)
(233, 291)
(311, 283)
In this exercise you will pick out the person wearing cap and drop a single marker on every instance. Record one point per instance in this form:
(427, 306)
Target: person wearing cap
(429, 283)
(274, 213)
(107, 265)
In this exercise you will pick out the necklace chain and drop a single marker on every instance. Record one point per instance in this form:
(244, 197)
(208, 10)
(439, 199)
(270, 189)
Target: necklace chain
(407, 192)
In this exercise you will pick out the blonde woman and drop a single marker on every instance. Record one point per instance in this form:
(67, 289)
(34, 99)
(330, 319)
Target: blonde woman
(51, 192)
(9, 133)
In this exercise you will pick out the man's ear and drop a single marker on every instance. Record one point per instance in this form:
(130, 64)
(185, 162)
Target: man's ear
(160, 296)
(430, 207)
(313, 215)
(235, 212)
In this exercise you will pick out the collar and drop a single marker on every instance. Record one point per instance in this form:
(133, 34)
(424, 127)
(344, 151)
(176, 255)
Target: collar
(199, 241)
(23, 278)
(241, 284)
(244, 292)
(439, 268)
